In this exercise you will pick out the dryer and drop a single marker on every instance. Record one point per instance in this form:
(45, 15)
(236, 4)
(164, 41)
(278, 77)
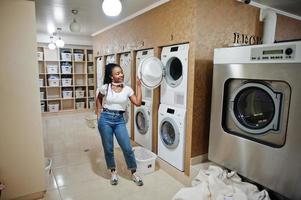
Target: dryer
(147, 93)
(143, 125)
(126, 65)
(171, 71)
(255, 112)
(110, 59)
(99, 71)
(171, 135)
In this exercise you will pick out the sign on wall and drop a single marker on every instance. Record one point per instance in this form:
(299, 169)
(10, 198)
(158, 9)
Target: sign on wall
(245, 39)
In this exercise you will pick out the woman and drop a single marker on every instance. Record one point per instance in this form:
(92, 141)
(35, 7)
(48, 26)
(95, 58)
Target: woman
(113, 96)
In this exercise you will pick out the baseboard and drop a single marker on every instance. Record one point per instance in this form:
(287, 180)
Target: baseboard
(199, 159)
(34, 196)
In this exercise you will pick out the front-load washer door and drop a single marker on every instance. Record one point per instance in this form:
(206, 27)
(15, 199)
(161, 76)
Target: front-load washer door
(150, 72)
(142, 121)
(254, 110)
(174, 72)
(169, 133)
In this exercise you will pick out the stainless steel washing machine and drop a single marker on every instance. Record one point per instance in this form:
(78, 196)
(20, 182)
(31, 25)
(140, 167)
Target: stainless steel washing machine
(255, 112)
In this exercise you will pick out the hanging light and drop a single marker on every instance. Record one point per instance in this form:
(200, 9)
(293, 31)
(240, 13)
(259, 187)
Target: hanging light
(59, 43)
(74, 26)
(51, 45)
(111, 7)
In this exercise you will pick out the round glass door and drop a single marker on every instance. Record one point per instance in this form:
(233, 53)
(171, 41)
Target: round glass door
(169, 133)
(255, 108)
(150, 72)
(141, 122)
(174, 72)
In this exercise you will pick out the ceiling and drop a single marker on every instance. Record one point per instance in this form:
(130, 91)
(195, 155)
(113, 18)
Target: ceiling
(289, 6)
(57, 13)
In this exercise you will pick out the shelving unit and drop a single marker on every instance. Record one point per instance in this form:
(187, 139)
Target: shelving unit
(66, 79)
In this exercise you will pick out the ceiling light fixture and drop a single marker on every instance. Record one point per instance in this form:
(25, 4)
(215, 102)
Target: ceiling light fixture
(59, 43)
(74, 26)
(51, 45)
(111, 7)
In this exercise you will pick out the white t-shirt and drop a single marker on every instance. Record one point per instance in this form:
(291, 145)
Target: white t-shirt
(115, 100)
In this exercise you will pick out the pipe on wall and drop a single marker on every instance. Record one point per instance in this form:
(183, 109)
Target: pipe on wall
(269, 19)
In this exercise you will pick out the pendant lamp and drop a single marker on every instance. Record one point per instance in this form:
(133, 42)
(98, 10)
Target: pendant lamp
(111, 7)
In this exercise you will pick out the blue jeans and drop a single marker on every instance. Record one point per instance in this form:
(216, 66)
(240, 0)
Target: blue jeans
(113, 123)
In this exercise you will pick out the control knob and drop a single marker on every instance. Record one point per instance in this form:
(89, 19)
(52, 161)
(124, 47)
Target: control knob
(288, 51)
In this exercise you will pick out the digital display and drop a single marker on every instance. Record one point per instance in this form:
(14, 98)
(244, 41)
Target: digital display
(144, 52)
(171, 111)
(172, 49)
(276, 51)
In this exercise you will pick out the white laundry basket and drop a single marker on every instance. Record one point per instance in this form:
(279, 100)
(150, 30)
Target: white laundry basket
(146, 160)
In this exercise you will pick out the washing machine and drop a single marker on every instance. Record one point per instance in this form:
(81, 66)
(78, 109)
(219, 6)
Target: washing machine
(147, 93)
(126, 65)
(171, 71)
(110, 59)
(255, 113)
(143, 124)
(127, 118)
(99, 71)
(171, 135)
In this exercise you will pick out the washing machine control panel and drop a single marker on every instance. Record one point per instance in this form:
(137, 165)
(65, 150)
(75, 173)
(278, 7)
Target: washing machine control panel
(170, 111)
(281, 52)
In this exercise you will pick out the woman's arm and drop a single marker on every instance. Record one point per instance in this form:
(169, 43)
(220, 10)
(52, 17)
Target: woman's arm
(98, 103)
(136, 99)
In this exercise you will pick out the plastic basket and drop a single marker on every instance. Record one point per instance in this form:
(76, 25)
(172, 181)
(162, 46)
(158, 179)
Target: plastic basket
(66, 56)
(66, 81)
(67, 94)
(80, 105)
(53, 107)
(40, 56)
(52, 69)
(78, 57)
(41, 81)
(66, 68)
(145, 160)
(90, 81)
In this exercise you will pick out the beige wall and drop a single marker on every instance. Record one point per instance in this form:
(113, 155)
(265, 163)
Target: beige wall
(287, 28)
(21, 139)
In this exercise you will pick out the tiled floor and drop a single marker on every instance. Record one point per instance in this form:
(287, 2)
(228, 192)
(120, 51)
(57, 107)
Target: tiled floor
(79, 170)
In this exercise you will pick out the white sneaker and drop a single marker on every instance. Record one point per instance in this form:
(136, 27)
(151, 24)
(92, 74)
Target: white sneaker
(137, 179)
(114, 178)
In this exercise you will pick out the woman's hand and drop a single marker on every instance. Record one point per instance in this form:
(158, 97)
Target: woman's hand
(136, 99)
(138, 81)
(97, 112)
